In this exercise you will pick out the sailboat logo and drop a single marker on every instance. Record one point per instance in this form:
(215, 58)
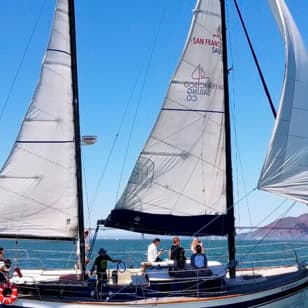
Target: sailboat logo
(198, 73)
(201, 84)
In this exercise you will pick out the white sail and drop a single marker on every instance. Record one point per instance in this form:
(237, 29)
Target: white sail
(181, 169)
(285, 170)
(38, 180)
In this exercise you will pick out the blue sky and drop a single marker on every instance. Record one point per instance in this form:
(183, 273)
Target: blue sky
(115, 39)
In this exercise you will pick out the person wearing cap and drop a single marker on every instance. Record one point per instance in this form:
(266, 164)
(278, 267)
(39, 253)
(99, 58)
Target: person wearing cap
(100, 264)
(153, 254)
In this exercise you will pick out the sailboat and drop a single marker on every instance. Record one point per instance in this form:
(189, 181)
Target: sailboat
(167, 192)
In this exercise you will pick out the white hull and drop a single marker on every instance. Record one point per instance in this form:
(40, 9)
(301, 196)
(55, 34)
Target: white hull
(298, 299)
(292, 294)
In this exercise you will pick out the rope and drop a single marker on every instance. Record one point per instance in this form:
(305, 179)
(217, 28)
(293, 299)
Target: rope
(214, 219)
(21, 62)
(256, 60)
(140, 97)
(270, 230)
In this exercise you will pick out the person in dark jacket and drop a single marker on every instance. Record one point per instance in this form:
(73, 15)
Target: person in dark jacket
(177, 254)
(100, 264)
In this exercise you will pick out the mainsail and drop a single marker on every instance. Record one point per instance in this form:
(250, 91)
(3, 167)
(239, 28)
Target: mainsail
(285, 170)
(38, 196)
(178, 185)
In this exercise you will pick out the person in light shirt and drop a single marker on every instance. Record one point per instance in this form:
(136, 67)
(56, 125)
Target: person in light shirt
(153, 253)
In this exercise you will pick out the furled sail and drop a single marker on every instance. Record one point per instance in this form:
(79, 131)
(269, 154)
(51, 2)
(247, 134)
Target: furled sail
(178, 185)
(285, 170)
(38, 181)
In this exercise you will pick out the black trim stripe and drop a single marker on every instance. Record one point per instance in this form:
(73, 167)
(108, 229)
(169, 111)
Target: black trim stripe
(193, 110)
(44, 141)
(32, 237)
(59, 50)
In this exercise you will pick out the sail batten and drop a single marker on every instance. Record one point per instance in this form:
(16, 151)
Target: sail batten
(285, 170)
(38, 180)
(180, 175)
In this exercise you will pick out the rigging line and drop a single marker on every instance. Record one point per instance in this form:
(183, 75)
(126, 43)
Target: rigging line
(86, 191)
(276, 228)
(182, 192)
(183, 151)
(277, 208)
(44, 205)
(203, 171)
(218, 216)
(269, 231)
(233, 114)
(141, 95)
(239, 164)
(190, 124)
(245, 196)
(237, 146)
(256, 60)
(25, 150)
(21, 61)
(100, 180)
(194, 167)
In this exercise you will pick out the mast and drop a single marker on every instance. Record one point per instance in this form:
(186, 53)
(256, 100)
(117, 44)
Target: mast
(229, 183)
(77, 135)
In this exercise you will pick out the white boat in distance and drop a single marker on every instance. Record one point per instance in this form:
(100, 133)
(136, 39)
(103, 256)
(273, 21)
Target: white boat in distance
(181, 183)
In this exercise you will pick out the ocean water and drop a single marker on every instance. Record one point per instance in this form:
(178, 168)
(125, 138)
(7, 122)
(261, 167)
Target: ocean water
(57, 254)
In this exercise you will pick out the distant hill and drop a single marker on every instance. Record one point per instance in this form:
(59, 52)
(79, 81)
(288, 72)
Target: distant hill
(288, 228)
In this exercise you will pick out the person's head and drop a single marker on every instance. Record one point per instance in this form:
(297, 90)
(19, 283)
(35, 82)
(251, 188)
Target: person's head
(156, 241)
(102, 252)
(176, 240)
(198, 249)
(1, 252)
(86, 232)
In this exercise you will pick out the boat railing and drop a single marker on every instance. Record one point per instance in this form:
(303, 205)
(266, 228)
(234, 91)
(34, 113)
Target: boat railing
(32, 258)
(248, 255)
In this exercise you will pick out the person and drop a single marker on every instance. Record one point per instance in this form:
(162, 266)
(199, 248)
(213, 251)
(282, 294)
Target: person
(5, 265)
(194, 243)
(100, 264)
(87, 249)
(153, 253)
(177, 254)
(198, 260)
(86, 241)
